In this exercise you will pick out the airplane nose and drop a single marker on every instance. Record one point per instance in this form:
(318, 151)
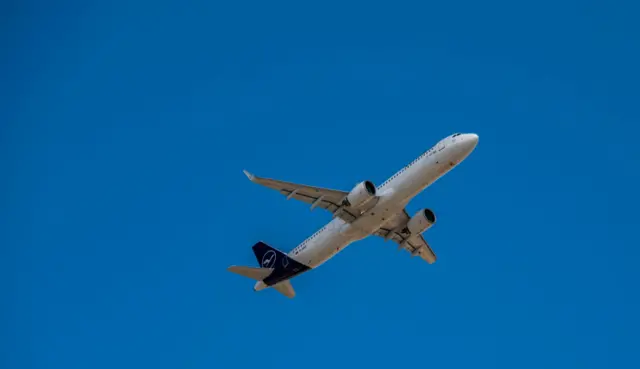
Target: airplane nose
(472, 138)
(469, 141)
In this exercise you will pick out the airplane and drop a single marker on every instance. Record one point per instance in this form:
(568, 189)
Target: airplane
(364, 211)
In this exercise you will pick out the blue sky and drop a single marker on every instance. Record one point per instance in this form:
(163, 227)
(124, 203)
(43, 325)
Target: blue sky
(126, 125)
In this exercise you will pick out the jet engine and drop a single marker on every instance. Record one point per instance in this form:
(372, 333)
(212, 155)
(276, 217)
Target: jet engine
(360, 194)
(421, 221)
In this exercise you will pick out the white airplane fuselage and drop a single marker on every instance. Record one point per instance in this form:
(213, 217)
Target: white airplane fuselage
(394, 194)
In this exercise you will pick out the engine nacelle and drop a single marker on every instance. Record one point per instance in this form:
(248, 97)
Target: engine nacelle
(421, 221)
(360, 194)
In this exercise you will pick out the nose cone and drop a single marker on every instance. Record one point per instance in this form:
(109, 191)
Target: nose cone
(465, 144)
(470, 140)
(471, 137)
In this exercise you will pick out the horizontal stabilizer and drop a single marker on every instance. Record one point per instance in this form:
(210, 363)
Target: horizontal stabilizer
(285, 288)
(257, 274)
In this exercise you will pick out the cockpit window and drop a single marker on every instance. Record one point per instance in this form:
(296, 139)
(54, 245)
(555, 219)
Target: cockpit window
(456, 134)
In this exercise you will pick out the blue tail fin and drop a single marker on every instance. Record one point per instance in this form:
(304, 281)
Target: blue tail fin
(267, 256)
(282, 265)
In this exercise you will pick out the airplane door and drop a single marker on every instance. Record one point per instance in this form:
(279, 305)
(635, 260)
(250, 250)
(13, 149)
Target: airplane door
(440, 145)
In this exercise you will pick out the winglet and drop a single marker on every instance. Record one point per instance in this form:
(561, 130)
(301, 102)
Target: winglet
(249, 175)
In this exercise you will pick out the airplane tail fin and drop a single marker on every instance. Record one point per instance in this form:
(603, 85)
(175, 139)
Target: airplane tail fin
(267, 255)
(272, 261)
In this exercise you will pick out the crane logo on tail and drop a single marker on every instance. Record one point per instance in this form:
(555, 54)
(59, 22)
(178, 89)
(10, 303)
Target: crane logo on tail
(269, 259)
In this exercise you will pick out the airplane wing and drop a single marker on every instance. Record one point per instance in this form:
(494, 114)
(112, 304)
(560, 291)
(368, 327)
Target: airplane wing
(324, 198)
(416, 245)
